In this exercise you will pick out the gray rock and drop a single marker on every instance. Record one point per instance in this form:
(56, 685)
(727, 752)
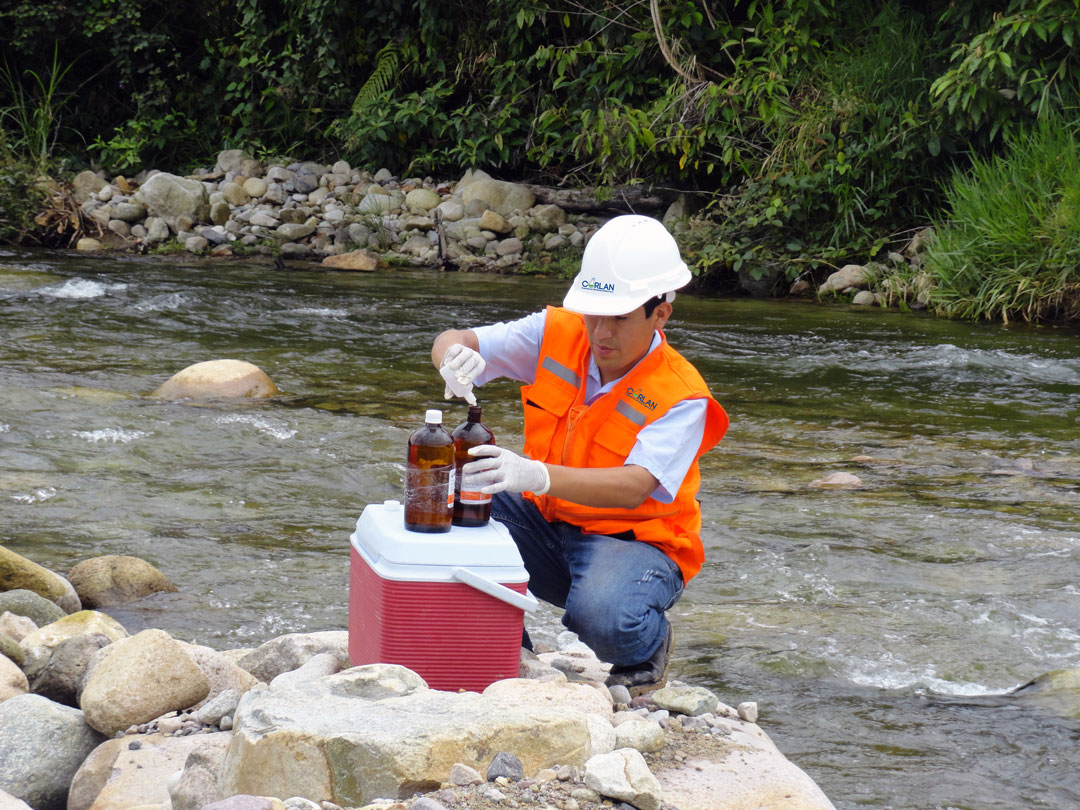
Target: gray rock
(234, 194)
(157, 230)
(499, 195)
(219, 212)
(264, 219)
(218, 707)
(196, 244)
(464, 776)
(37, 608)
(864, 298)
(554, 241)
(318, 666)
(294, 216)
(86, 183)
(256, 187)
(197, 785)
(295, 249)
(290, 232)
(129, 212)
(180, 202)
(42, 745)
(303, 183)
(690, 700)
(624, 775)
(508, 247)
(850, 275)
(547, 218)
(242, 801)
(291, 651)
(278, 174)
(642, 735)
(58, 676)
(231, 160)
(214, 237)
(450, 210)
(506, 765)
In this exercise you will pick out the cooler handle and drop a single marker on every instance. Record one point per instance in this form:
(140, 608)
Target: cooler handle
(526, 601)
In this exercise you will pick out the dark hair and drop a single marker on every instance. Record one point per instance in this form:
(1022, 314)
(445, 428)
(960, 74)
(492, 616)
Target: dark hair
(653, 303)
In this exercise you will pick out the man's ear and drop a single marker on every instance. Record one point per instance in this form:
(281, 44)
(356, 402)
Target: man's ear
(661, 314)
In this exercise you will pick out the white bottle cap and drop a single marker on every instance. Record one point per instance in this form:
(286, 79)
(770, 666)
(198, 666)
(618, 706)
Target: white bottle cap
(433, 417)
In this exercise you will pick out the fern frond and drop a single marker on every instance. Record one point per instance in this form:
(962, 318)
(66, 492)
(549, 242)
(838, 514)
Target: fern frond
(382, 77)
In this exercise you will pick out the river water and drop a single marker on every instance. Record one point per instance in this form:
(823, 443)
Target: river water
(878, 628)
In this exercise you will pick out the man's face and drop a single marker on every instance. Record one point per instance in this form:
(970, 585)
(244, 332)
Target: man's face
(619, 341)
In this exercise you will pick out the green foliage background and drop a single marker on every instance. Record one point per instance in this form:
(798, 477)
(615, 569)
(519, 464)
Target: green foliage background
(810, 132)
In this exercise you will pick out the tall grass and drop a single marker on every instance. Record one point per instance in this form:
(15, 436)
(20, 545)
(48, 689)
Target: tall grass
(1010, 246)
(30, 124)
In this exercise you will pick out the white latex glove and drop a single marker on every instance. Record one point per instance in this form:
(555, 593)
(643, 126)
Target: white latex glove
(498, 469)
(460, 366)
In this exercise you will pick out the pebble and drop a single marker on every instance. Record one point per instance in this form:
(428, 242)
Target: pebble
(748, 711)
(506, 766)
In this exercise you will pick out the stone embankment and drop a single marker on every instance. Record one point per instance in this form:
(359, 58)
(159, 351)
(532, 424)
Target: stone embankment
(93, 718)
(350, 219)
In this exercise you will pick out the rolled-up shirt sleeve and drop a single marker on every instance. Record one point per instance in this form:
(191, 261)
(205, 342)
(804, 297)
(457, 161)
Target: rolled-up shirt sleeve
(511, 349)
(668, 446)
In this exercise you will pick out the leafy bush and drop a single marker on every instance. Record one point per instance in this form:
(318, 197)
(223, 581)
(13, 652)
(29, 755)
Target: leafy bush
(1010, 247)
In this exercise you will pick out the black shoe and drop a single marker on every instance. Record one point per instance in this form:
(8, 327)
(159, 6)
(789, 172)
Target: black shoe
(648, 676)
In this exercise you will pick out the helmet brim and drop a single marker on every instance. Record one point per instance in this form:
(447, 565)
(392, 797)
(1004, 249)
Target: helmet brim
(590, 302)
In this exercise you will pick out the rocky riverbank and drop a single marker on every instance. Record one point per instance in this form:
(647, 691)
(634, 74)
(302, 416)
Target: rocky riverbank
(92, 718)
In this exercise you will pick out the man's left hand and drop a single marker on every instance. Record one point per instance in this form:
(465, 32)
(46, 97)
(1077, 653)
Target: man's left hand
(500, 470)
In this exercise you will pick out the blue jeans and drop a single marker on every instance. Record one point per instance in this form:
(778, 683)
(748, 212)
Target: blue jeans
(615, 591)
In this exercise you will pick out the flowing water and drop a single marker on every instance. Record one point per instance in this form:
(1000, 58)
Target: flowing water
(879, 629)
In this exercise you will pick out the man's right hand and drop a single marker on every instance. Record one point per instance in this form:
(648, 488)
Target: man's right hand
(460, 366)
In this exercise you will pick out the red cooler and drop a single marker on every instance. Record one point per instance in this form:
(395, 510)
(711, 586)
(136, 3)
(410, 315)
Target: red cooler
(448, 606)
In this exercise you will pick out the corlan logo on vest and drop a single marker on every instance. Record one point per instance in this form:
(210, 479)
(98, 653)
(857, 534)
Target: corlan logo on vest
(597, 286)
(637, 396)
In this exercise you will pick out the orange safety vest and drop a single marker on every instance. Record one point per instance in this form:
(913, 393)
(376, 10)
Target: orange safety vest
(561, 429)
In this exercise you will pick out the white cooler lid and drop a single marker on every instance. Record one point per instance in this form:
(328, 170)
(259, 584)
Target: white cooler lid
(382, 537)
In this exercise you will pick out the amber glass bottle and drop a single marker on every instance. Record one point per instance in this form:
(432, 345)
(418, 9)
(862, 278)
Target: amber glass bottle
(429, 477)
(470, 508)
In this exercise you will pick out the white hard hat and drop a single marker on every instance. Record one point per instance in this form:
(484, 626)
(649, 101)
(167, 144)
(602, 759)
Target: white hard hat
(628, 261)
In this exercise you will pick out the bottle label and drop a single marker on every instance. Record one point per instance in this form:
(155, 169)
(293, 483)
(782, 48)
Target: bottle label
(474, 498)
(450, 489)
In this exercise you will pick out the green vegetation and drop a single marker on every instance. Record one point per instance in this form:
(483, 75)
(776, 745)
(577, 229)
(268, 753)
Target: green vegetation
(808, 133)
(1010, 244)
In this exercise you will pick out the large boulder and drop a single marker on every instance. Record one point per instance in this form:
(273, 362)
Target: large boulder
(40, 644)
(218, 379)
(377, 731)
(850, 275)
(744, 771)
(292, 651)
(19, 573)
(42, 745)
(499, 195)
(130, 772)
(624, 775)
(23, 602)
(221, 673)
(173, 198)
(361, 260)
(114, 580)
(139, 678)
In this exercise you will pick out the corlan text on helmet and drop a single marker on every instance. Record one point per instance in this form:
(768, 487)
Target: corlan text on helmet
(597, 286)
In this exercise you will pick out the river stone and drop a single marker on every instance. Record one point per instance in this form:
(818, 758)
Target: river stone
(231, 160)
(375, 202)
(221, 671)
(644, 735)
(318, 666)
(196, 244)
(37, 608)
(837, 480)
(129, 212)
(218, 379)
(691, 700)
(850, 275)
(19, 573)
(117, 775)
(178, 201)
(1057, 692)
(450, 210)
(601, 734)
(509, 247)
(290, 232)
(220, 212)
(494, 221)
(744, 771)
(294, 216)
(197, 785)
(139, 678)
(84, 184)
(362, 260)
(157, 230)
(115, 580)
(9, 802)
(864, 298)
(40, 644)
(59, 675)
(10, 648)
(12, 679)
(421, 200)
(546, 218)
(234, 194)
(255, 187)
(499, 195)
(293, 650)
(624, 775)
(42, 745)
(339, 739)
(505, 765)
